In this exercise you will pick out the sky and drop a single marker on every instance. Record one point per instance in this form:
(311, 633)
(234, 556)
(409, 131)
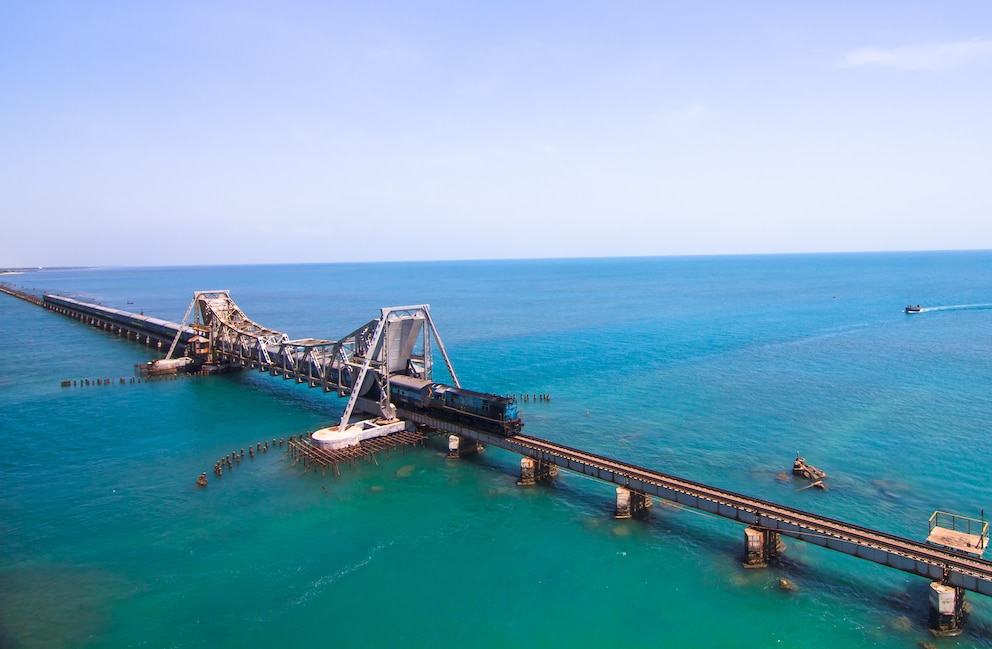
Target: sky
(210, 132)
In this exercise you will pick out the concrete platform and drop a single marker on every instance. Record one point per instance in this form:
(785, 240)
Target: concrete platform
(970, 543)
(333, 439)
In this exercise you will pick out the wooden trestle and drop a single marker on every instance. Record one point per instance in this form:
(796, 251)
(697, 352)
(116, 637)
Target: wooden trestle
(312, 456)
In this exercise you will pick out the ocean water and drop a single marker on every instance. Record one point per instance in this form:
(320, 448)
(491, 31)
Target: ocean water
(717, 369)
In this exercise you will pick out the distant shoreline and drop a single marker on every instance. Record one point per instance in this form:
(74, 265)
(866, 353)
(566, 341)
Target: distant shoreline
(35, 269)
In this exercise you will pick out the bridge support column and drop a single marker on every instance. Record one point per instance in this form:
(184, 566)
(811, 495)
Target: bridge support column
(761, 546)
(546, 472)
(527, 474)
(462, 446)
(947, 609)
(534, 471)
(632, 504)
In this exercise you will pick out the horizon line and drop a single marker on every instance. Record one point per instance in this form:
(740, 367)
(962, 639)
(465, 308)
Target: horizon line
(28, 269)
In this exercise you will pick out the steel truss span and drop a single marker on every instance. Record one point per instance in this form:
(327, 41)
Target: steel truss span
(358, 366)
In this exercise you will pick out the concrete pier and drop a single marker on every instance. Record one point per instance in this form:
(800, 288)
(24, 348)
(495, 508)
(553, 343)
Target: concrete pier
(632, 504)
(535, 471)
(333, 438)
(461, 446)
(527, 474)
(761, 547)
(947, 609)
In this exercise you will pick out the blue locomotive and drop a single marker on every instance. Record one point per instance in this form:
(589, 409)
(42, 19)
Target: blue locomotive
(489, 412)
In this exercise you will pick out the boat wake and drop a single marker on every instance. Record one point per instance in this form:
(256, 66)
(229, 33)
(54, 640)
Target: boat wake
(956, 307)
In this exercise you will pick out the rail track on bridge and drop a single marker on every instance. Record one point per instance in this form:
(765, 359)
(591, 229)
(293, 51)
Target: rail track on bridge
(810, 524)
(933, 562)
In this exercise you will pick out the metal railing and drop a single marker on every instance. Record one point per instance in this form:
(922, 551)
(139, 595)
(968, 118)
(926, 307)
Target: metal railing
(957, 523)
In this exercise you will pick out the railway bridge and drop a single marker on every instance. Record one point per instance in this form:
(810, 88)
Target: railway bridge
(400, 342)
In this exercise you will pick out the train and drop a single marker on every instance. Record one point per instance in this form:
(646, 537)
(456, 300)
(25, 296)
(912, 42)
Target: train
(489, 412)
(156, 327)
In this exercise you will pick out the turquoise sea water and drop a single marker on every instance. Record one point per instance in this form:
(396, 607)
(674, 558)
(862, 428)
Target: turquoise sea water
(716, 369)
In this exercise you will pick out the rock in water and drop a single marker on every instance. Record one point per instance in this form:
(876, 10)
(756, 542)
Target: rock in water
(785, 584)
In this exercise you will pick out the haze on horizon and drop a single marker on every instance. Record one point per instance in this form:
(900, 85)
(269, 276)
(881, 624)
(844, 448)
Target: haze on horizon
(138, 134)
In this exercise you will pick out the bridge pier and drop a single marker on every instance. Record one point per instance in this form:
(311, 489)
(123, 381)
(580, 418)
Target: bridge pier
(947, 609)
(632, 504)
(462, 446)
(534, 471)
(761, 546)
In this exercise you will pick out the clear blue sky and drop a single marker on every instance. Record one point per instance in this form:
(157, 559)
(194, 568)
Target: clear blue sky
(149, 133)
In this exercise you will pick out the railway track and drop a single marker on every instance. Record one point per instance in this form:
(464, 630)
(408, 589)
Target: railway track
(786, 520)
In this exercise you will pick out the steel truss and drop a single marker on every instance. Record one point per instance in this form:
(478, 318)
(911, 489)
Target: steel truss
(399, 342)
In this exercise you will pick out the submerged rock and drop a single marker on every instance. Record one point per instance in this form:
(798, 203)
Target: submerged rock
(785, 584)
(902, 623)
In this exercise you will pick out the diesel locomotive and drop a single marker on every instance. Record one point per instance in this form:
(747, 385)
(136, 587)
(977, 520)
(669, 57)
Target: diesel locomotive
(489, 412)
